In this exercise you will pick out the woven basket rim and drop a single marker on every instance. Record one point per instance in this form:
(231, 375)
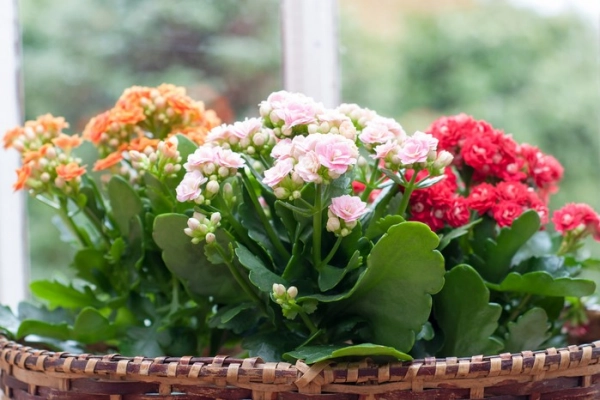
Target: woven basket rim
(364, 377)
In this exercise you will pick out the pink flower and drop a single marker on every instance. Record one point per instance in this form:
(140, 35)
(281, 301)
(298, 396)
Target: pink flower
(228, 158)
(383, 150)
(282, 150)
(246, 128)
(308, 167)
(415, 149)
(203, 154)
(336, 153)
(576, 216)
(281, 169)
(348, 208)
(381, 130)
(189, 188)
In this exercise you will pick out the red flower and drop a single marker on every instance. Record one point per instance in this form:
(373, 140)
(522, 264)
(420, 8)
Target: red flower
(482, 198)
(458, 213)
(577, 216)
(505, 212)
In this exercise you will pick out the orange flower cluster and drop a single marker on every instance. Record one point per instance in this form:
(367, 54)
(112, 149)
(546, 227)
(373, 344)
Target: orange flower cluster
(47, 163)
(142, 117)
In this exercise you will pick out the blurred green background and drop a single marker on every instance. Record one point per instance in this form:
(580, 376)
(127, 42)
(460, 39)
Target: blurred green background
(535, 76)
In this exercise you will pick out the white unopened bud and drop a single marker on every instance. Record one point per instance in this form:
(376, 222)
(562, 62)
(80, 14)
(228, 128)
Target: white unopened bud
(444, 158)
(259, 139)
(362, 162)
(281, 193)
(333, 224)
(193, 223)
(223, 172)
(345, 232)
(209, 169)
(210, 238)
(215, 218)
(45, 177)
(278, 289)
(292, 292)
(169, 168)
(227, 189)
(212, 187)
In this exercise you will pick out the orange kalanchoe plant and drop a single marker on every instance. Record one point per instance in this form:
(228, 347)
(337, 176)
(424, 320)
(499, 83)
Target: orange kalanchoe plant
(141, 143)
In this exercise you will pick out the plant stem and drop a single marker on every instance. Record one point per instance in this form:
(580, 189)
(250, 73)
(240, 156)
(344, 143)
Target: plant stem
(370, 185)
(515, 313)
(64, 214)
(240, 279)
(308, 322)
(241, 233)
(174, 294)
(408, 189)
(331, 253)
(264, 220)
(317, 228)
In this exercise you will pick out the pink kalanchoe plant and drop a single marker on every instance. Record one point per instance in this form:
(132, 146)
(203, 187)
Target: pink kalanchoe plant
(312, 233)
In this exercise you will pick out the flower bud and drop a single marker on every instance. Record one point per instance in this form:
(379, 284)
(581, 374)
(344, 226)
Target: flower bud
(193, 223)
(223, 172)
(215, 218)
(444, 158)
(212, 187)
(292, 292)
(281, 193)
(278, 290)
(210, 238)
(333, 224)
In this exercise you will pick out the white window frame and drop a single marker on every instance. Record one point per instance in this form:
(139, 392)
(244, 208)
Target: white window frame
(310, 65)
(14, 271)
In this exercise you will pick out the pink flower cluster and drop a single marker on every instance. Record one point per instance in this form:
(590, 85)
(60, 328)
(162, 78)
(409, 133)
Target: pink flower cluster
(316, 158)
(206, 168)
(248, 137)
(577, 219)
(343, 214)
(289, 113)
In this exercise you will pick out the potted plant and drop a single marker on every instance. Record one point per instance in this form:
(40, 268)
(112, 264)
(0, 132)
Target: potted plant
(308, 233)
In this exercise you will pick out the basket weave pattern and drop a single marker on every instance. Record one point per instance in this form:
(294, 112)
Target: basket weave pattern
(569, 373)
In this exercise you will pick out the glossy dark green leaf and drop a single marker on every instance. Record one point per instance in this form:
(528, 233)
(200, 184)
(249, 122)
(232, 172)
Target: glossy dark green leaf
(456, 233)
(330, 276)
(543, 284)
(91, 327)
(9, 323)
(314, 354)
(41, 313)
(260, 275)
(381, 226)
(236, 317)
(498, 255)
(124, 203)
(528, 332)
(394, 292)
(57, 294)
(271, 345)
(60, 331)
(187, 261)
(465, 315)
(157, 193)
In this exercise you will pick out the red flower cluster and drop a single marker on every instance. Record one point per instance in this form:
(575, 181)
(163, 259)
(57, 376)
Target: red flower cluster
(577, 219)
(439, 205)
(506, 178)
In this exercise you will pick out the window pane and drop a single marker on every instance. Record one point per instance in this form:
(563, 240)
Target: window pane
(80, 56)
(528, 69)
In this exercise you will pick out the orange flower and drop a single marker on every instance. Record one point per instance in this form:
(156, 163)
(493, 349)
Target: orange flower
(23, 174)
(67, 142)
(182, 104)
(109, 161)
(36, 155)
(11, 135)
(49, 123)
(128, 113)
(97, 126)
(70, 171)
(140, 143)
(133, 96)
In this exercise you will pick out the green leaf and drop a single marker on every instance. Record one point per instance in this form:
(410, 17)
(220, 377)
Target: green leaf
(465, 316)
(260, 275)
(41, 313)
(124, 202)
(543, 284)
(394, 177)
(60, 331)
(498, 255)
(455, 233)
(58, 295)
(330, 276)
(394, 292)
(187, 261)
(236, 317)
(271, 345)
(9, 323)
(141, 341)
(428, 182)
(314, 354)
(156, 193)
(92, 327)
(381, 226)
(528, 332)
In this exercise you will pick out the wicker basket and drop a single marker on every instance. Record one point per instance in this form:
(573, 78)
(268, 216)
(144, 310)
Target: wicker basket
(569, 373)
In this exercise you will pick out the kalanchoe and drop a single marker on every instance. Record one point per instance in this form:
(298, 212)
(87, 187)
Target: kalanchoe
(307, 227)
